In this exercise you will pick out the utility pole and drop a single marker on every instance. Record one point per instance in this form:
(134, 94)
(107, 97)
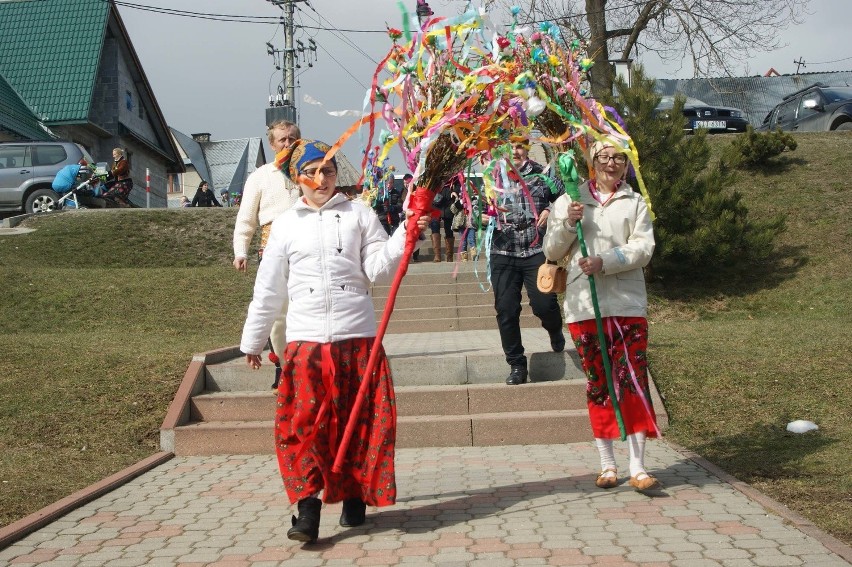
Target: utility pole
(282, 105)
(799, 63)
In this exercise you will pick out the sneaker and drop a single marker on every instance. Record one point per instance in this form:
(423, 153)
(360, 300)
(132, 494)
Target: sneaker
(557, 341)
(518, 375)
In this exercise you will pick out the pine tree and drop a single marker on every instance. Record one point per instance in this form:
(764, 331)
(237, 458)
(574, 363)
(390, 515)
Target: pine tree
(702, 227)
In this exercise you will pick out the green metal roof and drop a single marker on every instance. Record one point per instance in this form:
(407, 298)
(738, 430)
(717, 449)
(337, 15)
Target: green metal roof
(50, 54)
(16, 116)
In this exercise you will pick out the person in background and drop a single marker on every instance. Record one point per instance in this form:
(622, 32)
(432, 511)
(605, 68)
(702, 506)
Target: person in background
(516, 255)
(407, 180)
(66, 178)
(466, 227)
(120, 184)
(327, 269)
(204, 196)
(620, 241)
(226, 199)
(444, 200)
(185, 202)
(266, 195)
(388, 208)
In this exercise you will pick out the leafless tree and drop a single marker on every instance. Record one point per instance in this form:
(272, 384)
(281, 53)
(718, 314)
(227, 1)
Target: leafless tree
(711, 36)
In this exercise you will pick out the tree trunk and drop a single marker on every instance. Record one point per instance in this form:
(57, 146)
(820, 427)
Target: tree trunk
(601, 75)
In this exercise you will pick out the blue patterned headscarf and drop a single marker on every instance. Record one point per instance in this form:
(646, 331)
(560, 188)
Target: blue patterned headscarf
(291, 160)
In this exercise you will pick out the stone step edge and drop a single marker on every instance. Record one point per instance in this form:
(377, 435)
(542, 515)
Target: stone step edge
(193, 381)
(481, 430)
(268, 423)
(422, 400)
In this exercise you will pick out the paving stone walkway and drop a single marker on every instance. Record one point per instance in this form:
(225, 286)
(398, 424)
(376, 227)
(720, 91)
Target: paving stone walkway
(465, 506)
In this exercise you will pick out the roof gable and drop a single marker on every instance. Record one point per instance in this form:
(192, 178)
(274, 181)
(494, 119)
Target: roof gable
(60, 40)
(16, 116)
(194, 153)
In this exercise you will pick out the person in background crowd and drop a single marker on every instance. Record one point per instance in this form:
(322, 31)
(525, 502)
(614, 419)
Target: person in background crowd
(266, 195)
(515, 258)
(407, 180)
(326, 269)
(66, 178)
(204, 196)
(445, 199)
(619, 237)
(185, 202)
(120, 184)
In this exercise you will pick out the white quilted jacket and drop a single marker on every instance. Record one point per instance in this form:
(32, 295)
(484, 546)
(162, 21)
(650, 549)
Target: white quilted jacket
(324, 260)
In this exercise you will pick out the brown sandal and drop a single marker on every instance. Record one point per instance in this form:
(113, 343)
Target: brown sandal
(644, 481)
(608, 478)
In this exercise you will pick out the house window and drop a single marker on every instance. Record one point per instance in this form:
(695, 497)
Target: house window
(128, 100)
(175, 185)
(141, 112)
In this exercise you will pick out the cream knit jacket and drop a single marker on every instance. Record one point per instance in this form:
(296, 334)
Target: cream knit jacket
(266, 195)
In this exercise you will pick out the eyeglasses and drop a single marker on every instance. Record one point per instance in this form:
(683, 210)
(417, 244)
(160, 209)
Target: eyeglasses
(326, 171)
(619, 159)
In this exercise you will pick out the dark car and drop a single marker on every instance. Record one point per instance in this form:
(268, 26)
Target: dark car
(27, 170)
(714, 119)
(817, 108)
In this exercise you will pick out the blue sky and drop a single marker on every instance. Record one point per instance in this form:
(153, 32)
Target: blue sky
(214, 76)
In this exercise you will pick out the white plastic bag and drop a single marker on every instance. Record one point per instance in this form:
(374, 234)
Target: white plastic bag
(801, 426)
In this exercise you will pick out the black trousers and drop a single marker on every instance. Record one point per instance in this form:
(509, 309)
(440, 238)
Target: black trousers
(508, 274)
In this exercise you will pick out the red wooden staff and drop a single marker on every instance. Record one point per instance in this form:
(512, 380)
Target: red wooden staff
(421, 204)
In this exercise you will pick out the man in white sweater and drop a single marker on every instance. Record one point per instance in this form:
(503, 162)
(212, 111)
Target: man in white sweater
(266, 195)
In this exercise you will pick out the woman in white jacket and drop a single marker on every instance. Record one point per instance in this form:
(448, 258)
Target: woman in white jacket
(323, 253)
(620, 241)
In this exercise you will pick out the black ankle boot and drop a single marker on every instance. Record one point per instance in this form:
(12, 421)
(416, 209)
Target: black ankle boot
(306, 526)
(354, 513)
(518, 375)
(557, 341)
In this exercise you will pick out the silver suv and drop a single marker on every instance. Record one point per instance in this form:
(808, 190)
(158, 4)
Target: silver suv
(27, 170)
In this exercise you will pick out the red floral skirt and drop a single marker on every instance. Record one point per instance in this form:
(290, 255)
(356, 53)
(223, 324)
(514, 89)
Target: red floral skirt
(627, 345)
(319, 385)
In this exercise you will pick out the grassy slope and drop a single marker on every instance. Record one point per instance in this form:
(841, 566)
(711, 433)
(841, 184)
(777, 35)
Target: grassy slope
(102, 311)
(736, 366)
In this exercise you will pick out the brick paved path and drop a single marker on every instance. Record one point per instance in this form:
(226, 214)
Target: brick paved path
(490, 506)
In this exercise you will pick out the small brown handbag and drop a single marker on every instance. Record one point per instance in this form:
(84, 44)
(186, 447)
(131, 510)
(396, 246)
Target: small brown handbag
(551, 278)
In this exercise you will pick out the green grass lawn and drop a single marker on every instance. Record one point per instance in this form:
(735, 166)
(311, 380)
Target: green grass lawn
(103, 310)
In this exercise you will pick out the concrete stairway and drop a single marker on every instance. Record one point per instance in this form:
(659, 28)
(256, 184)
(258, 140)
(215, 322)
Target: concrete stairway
(433, 299)
(448, 370)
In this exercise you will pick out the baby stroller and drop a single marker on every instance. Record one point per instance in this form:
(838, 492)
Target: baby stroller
(89, 183)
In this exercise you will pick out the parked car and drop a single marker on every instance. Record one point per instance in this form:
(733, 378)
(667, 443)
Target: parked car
(698, 114)
(27, 170)
(817, 108)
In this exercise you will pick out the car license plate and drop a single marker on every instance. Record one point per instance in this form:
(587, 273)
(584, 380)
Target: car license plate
(710, 124)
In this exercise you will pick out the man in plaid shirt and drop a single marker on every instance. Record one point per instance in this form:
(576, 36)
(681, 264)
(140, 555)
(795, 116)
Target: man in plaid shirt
(516, 254)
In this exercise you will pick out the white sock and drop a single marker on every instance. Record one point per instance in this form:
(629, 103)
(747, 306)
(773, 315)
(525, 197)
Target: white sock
(606, 452)
(636, 445)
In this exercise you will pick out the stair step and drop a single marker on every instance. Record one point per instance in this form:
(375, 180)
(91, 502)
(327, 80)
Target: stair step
(411, 367)
(515, 428)
(411, 401)
(476, 323)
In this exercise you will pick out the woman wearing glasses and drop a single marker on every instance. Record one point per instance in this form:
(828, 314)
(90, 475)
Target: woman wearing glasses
(324, 253)
(620, 241)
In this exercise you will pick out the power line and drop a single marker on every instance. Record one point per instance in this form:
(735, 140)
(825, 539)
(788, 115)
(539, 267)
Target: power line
(344, 39)
(342, 66)
(236, 18)
(233, 18)
(829, 62)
